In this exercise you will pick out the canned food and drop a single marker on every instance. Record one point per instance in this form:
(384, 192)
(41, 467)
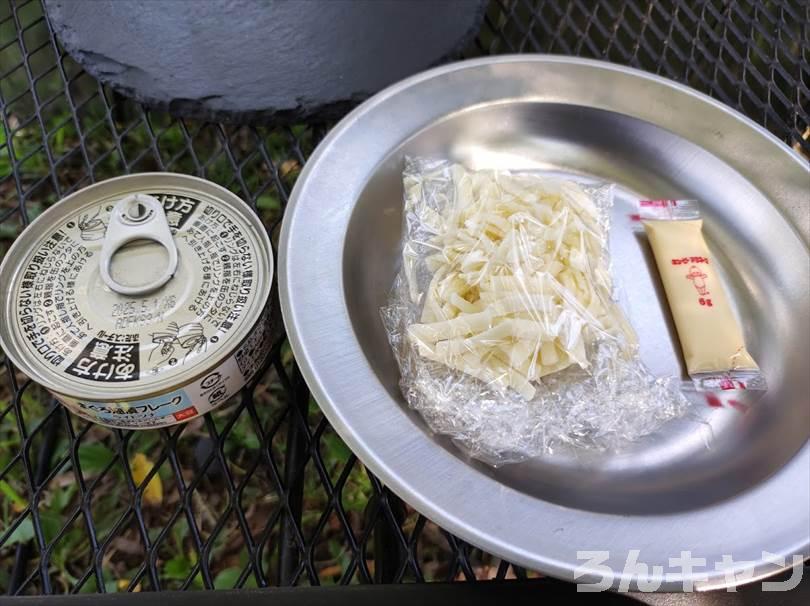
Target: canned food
(141, 301)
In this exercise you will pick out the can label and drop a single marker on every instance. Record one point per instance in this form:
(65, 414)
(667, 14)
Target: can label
(90, 334)
(192, 400)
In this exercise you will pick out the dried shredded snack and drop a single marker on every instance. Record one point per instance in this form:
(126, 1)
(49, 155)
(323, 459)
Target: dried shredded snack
(503, 319)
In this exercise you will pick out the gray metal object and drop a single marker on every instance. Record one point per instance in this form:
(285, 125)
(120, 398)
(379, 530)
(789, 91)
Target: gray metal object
(178, 338)
(139, 216)
(244, 60)
(718, 482)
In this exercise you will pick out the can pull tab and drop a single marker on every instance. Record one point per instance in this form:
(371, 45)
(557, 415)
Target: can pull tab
(137, 217)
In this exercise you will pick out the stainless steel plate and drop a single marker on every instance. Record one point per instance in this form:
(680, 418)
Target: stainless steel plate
(721, 481)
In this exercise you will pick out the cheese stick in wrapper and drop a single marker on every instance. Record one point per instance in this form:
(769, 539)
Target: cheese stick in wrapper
(710, 336)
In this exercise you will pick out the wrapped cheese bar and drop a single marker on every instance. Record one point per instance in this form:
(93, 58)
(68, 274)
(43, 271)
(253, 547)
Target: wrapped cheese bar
(711, 338)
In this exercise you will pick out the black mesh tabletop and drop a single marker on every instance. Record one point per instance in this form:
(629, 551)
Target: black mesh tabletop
(263, 492)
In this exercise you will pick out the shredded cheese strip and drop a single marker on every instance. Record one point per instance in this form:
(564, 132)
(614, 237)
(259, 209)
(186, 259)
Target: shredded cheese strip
(520, 280)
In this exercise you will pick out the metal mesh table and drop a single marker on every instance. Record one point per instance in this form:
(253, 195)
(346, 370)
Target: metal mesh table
(263, 492)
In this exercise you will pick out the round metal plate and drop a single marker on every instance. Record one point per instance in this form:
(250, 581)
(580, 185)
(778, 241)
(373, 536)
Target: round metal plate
(719, 482)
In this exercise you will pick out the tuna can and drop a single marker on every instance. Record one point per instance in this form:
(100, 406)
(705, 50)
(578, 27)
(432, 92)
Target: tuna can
(141, 301)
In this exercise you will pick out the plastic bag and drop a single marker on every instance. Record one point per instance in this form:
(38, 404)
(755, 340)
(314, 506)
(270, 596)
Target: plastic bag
(503, 319)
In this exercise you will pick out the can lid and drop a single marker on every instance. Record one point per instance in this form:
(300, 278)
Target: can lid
(134, 286)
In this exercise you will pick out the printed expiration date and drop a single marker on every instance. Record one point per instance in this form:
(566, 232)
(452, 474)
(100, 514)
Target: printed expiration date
(144, 311)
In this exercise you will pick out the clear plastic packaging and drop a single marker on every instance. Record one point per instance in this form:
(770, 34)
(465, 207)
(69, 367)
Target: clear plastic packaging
(711, 338)
(503, 318)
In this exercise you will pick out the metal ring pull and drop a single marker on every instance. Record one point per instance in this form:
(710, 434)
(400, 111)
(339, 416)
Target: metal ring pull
(137, 217)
